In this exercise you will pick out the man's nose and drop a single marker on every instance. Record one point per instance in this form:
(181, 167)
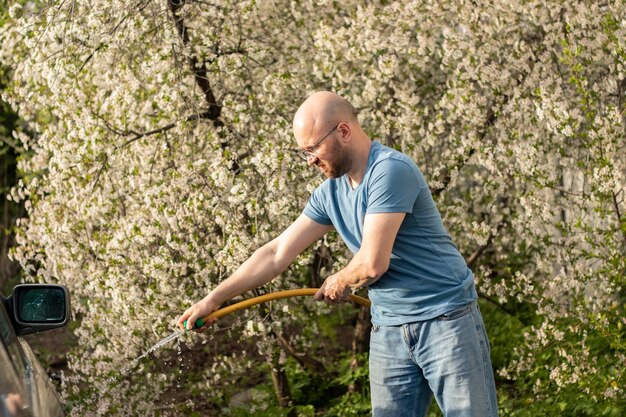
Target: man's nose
(311, 159)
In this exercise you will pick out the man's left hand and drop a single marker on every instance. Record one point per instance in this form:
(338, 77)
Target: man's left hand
(333, 291)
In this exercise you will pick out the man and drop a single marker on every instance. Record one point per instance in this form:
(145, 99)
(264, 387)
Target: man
(427, 334)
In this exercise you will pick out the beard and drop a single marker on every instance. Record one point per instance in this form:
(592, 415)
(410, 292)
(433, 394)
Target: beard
(340, 163)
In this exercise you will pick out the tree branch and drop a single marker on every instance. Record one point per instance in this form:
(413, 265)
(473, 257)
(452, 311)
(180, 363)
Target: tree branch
(621, 100)
(199, 69)
(474, 257)
(619, 214)
(139, 135)
(304, 360)
(490, 120)
(502, 307)
(136, 136)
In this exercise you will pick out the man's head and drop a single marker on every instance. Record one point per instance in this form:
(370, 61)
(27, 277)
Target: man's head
(325, 127)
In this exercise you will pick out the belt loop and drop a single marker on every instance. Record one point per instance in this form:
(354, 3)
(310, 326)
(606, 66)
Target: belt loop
(409, 334)
(405, 335)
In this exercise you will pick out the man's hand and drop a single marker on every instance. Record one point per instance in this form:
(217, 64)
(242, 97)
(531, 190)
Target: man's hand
(369, 263)
(333, 291)
(197, 311)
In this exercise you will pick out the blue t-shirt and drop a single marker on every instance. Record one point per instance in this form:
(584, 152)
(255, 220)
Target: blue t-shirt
(427, 275)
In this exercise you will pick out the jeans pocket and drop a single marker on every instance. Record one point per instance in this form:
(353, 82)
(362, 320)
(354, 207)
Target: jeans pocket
(375, 328)
(457, 313)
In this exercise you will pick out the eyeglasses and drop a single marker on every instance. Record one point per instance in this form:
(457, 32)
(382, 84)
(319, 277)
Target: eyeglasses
(310, 151)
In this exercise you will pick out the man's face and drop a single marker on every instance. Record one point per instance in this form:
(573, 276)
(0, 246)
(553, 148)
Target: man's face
(329, 154)
(334, 160)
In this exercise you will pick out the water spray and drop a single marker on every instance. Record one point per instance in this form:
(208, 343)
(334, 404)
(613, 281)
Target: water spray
(220, 313)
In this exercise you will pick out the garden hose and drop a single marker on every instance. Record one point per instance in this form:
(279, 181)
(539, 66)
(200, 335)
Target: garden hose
(269, 297)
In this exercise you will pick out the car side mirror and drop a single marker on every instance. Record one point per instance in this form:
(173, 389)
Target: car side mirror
(39, 307)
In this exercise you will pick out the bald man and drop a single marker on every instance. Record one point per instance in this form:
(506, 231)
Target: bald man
(427, 332)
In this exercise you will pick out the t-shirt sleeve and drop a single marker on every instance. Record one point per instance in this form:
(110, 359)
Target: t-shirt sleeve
(315, 208)
(393, 188)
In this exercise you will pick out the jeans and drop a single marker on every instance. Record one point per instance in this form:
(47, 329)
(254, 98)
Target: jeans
(447, 356)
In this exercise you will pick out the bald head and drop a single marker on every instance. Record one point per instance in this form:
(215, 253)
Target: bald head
(327, 115)
(321, 111)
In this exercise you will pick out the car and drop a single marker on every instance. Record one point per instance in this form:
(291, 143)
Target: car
(26, 390)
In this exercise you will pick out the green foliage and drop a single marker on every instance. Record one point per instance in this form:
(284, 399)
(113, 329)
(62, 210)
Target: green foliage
(344, 393)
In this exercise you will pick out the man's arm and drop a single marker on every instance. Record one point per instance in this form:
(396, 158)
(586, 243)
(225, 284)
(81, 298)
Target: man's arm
(370, 262)
(265, 263)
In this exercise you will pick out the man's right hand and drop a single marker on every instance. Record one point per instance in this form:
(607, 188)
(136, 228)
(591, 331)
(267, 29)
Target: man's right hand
(197, 311)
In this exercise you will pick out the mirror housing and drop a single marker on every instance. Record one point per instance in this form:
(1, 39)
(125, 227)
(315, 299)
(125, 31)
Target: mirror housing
(39, 307)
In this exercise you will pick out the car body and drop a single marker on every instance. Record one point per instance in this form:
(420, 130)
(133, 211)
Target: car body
(26, 390)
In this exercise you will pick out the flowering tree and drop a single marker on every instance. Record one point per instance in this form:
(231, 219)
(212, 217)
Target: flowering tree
(516, 114)
(163, 158)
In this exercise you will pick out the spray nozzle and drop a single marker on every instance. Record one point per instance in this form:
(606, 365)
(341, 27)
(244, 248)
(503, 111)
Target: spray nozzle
(199, 323)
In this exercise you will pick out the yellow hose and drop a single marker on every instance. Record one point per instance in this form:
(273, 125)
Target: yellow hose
(275, 296)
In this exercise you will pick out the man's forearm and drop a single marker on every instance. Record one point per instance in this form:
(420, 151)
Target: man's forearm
(258, 270)
(359, 273)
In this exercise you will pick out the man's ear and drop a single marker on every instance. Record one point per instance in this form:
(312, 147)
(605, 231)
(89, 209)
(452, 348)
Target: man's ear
(345, 130)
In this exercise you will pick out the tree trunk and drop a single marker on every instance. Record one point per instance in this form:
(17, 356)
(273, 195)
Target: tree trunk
(280, 381)
(360, 340)
(321, 259)
(9, 213)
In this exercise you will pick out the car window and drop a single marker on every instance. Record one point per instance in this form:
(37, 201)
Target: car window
(10, 342)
